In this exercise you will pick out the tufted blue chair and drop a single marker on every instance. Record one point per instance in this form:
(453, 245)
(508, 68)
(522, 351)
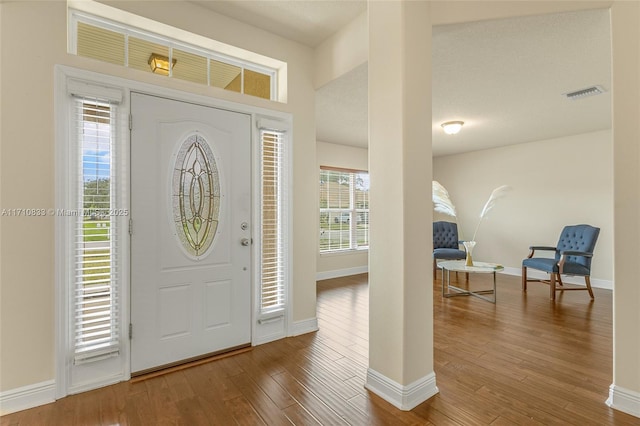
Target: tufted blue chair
(572, 257)
(445, 243)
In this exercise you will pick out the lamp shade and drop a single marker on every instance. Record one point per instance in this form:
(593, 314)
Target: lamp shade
(452, 127)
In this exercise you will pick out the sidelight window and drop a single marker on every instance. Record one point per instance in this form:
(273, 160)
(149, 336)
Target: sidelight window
(95, 245)
(274, 221)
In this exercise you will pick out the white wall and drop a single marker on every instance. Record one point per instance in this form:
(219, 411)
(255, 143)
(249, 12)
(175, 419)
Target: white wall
(33, 38)
(331, 265)
(343, 51)
(554, 183)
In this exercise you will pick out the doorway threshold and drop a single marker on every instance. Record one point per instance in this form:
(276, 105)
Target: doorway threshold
(188, 363)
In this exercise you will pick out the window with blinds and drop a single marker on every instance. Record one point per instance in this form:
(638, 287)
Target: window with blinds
(274, 221)
(95, 244)
(344, 209)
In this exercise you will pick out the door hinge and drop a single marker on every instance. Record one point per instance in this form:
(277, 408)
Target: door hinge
(130, 226)
(130, 331)
(130, 122)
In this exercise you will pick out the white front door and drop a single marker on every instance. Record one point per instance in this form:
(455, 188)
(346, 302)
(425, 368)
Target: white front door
(191, 231)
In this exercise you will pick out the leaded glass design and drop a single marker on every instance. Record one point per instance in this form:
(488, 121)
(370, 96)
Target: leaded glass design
(196, 195)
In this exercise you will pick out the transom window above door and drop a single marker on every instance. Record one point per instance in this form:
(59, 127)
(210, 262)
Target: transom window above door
(117, 43)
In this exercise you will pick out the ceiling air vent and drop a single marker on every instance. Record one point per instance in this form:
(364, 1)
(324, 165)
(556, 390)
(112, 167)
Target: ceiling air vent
(583, 93)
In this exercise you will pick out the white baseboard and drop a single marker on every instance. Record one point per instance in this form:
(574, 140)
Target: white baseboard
(327, 275)
(27, 397)
(401, 396)
(96, 383)
(303, 327)
(268, 339)
(624, 400)
(531, 273)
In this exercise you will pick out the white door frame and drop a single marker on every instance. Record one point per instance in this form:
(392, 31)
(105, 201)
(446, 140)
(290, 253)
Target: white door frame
(62, 74)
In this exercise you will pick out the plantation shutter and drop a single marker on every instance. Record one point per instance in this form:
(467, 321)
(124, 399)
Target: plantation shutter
(95, 269)
(274, 221)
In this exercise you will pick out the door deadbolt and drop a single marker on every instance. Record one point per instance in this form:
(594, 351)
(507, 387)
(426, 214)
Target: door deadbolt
(244, 226)
(245, 242)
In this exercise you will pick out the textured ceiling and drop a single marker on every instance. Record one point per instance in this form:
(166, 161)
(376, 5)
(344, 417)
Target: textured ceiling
(504, 78)
(307, 22)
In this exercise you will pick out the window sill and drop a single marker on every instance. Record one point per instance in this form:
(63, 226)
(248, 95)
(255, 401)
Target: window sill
(344, 252)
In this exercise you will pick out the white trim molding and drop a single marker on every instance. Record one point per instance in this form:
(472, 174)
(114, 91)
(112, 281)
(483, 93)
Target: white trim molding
(403, 397)
(303, 327)
(65, 383)
(327, 275)
(269, 328)
(69, 82)
(27, 397)
(532, 273)
(624, 400)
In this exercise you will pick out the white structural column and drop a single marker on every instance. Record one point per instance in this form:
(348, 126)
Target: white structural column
(400, 166)
(624, 393)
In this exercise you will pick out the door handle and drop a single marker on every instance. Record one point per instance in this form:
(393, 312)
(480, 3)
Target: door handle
(245, 242)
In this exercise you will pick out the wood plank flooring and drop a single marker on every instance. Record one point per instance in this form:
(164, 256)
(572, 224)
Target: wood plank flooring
(522, 361)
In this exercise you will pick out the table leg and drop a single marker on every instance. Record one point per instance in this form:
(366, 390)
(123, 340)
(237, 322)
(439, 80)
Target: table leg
(495, 293)
(466, 292)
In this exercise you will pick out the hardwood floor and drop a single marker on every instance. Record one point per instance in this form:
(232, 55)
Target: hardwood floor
(524, 360)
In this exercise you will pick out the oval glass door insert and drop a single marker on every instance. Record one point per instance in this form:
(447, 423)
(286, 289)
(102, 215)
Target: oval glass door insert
(196, 195)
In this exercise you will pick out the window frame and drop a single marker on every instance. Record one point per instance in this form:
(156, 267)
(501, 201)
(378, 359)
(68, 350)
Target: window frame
(98, 367)
(352, 210)
(76, 16)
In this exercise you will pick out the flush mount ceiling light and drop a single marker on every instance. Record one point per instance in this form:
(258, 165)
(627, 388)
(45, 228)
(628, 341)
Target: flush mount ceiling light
(583, 93)
(452, 127)
(160, 64)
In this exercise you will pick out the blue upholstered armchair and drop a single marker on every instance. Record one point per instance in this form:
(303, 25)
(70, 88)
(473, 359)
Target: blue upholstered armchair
(573, 255)
(445, 243)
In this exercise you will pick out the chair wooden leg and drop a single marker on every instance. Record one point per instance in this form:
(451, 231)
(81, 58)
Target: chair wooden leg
(524, 278)
(434, 268)
(588, 282)
(552, 287)
(560, 280)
